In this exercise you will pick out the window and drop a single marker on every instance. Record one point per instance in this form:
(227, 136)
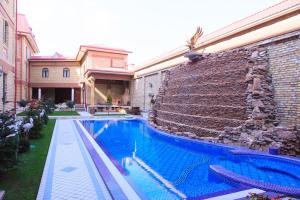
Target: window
(4, 93)
(45, 73)
(66, 72)
(5, 32)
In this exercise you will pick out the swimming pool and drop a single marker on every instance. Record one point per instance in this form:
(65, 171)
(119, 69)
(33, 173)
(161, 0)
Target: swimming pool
(162, 166)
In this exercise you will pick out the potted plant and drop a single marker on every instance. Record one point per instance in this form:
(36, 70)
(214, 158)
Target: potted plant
(109, 103)
(23, 103)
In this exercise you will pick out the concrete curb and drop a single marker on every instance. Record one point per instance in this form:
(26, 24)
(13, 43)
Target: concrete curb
(2, 193)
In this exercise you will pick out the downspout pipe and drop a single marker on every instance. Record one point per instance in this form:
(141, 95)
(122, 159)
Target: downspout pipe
(16, 70)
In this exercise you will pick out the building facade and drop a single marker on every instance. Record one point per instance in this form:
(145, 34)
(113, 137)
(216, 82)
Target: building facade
(96, 73)
(26, 47)
(7, 53)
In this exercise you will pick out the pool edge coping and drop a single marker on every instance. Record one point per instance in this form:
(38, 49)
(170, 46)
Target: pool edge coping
(42, 187)
(128, 191)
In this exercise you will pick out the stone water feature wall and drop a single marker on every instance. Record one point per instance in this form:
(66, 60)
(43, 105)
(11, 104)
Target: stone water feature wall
(226, 97)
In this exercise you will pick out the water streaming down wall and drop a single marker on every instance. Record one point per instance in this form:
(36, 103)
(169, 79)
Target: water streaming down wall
(205, 96)
(226, 97)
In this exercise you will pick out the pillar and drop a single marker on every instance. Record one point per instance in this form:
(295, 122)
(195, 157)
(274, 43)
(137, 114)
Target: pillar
(92, 92)
(72, 94)
(39, 94)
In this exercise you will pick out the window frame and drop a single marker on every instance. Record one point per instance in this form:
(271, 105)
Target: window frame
(4, 88)
(45, 72)
(5, 32)
(66, 72)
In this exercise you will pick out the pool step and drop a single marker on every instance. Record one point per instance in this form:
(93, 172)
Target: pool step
(216, 123)
(199, 131)
(231, 112)
(244, 180)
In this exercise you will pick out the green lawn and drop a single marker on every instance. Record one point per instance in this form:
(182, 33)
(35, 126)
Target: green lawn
(23, 182)
(64, 113)
(57, 113)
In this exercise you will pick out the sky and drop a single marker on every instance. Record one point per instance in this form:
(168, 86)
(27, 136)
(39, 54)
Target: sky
(147, 28)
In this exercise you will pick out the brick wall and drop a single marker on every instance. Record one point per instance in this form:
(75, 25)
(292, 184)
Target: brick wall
(284, 61)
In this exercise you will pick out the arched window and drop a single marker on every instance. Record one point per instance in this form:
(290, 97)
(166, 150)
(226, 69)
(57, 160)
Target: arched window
(66, 72)
(5, 32)
(45, 72)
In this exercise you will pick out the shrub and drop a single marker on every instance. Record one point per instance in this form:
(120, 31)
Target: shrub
(36, 130)
(70, 104)
(24, 144)
(9, 142)
(109, 100)
(34, 104)
(6, 123)
(48, 105)
(45, 118)
(22, 103)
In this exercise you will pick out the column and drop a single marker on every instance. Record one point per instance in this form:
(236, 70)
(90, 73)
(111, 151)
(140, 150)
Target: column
(72, 94)
(39, 94)
(92, 92)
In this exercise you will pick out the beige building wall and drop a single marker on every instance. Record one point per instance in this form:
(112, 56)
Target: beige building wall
(55, 72)
(144, 87)
(99, 60)
(7, 52)
(116, 91)
(24, 52)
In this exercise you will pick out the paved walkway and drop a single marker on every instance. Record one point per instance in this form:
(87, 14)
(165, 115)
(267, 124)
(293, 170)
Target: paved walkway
(84, 114)
(69, 171)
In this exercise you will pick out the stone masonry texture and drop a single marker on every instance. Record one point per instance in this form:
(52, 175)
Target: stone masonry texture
(228, 97)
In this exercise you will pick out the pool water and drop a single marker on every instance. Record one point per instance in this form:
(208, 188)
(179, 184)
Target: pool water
(161, 166)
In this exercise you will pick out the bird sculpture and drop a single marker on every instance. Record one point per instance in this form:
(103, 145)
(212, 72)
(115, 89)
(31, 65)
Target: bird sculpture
(17, 125)
(28, 126)
(42, 113)
(191, 43)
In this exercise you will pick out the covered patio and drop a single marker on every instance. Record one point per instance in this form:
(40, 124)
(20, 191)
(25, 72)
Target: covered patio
(57, 94)
(101, 85)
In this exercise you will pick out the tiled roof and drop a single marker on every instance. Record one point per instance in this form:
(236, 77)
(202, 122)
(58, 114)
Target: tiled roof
(55, 56)
(104, 48)
(84, 48)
